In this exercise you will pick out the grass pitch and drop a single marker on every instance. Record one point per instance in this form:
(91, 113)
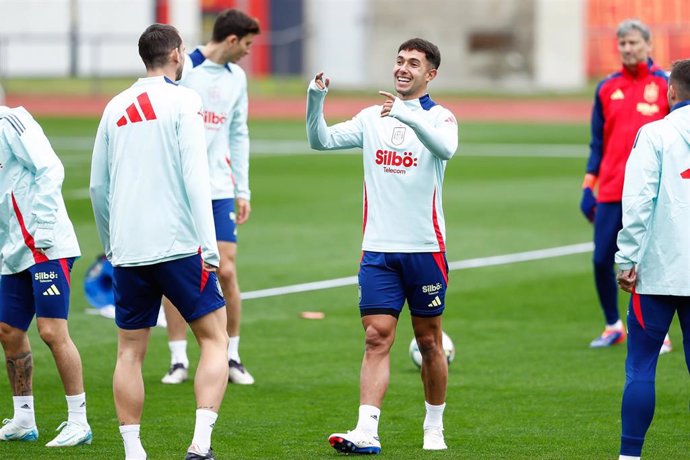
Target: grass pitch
(524, 384)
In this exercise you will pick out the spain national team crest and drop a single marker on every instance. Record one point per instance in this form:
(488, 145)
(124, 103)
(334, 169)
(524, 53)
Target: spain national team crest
(398, 135)
(651, 92)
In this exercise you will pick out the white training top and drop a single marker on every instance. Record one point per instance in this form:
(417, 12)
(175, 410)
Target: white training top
(32, 211)
(149, 176)
(404, 158)
(223, 91)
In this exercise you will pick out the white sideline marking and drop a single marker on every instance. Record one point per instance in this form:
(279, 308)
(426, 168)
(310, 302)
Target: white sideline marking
(457, 265)
(275, 147)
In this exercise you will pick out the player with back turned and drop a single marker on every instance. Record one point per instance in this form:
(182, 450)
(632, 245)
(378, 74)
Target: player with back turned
(624, 101)
(152, 202)
(406, 143)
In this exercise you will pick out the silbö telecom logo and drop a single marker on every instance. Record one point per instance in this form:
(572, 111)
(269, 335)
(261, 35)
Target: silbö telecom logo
(401, 163)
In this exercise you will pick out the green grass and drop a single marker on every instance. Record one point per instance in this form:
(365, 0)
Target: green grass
(524, 385)
(286, 86)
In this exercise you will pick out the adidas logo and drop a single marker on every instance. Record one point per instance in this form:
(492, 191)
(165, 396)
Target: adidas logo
(133, 111)
(435, 303)
(25, 406)
(375, 417)
(52, 290)
(617, 95)
(83, 404)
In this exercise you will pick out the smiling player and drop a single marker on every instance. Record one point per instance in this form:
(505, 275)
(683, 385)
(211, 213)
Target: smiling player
(406, 143)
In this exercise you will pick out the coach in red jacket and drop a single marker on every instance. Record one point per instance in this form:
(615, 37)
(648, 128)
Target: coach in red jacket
(623, 102)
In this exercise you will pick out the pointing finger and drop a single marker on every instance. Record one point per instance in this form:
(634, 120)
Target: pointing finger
(387, 95)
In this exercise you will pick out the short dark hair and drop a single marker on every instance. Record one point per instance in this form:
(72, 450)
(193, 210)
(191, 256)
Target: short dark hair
(433, 55)
(680, 79)
(234, 22)
(156, 43)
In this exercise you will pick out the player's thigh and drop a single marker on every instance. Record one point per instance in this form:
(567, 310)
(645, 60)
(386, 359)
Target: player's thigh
(426, 280)
(51, 286)
(649, 318)
(137, 297)
(607, 224)
(225, 220)
(684, 316)
(381, 289)
(17, 300)
(194, 291)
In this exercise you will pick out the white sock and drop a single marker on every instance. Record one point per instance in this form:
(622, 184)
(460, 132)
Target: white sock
(178, 352)
(434, 416)
(369, 419)
(133, 448)
(234, 348)
(617, 325)
(24, 411)
(76, 409)
(205, 421)
(628, 457)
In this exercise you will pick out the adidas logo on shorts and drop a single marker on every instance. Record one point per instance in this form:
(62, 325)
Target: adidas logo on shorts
(52, 290)
(435, 303)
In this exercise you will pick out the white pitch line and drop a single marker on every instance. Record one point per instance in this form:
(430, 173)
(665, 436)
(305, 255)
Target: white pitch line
(457, 265)
(273, 147)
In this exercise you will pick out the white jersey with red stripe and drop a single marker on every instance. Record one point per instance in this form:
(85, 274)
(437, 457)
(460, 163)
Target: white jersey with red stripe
(32, 210)
(223, 91)
(149, 176)
(404, 157)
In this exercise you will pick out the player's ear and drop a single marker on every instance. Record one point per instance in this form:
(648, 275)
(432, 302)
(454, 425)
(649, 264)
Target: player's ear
(431, 74)
(232, 39)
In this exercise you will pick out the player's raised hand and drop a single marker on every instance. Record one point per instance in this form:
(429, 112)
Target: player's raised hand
(321, 82)
(388, 103)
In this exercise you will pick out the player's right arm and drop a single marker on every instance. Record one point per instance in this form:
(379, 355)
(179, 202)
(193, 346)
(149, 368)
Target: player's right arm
(32, 149)
(640, 192)
(191, 137)
(345, 135)
(99, 185)
(588, 203)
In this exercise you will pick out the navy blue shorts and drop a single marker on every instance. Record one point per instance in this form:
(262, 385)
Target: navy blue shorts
(386, 280)
(225, 220)
(139, 290)
(42, 289)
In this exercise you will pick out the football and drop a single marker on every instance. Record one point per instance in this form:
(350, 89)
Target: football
(448, 348)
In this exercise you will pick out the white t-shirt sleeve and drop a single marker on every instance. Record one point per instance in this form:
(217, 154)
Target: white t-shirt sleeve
(441, 137)
(33, 150)
(194, 162)
(239, 142)
(100, 185)
(345, 135)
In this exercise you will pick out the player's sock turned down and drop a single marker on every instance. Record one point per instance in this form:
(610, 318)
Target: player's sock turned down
(178, 352)
(205, 420)
(434, 415)
(76, 408)
(24, 411)
(133, 448)
(369, 420)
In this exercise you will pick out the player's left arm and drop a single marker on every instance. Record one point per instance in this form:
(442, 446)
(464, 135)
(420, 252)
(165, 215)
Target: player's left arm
(191, 137)
(239, 154)
(32, 149)
(441, 137)
(640, 192)
(99, 185)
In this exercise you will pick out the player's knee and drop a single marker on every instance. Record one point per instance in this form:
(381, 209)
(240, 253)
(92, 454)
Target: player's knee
(429, 345)
(227, 273)
(51, 334)
(10, 336)
(377, 339)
